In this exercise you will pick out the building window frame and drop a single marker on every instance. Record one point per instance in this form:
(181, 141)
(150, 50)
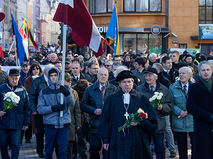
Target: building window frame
(148, 10)
(93, 8)
(204, 7)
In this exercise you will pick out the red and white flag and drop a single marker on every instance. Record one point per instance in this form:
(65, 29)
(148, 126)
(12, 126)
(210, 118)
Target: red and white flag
(74, 13)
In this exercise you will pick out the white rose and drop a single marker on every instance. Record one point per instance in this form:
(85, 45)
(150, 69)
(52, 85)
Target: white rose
(150, 100)
(140, 111)
(17, 99)
(156, 93)
(161, 94)
(158, 97)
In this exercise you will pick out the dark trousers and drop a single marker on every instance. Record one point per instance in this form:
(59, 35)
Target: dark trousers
(159, 146)
(59, 136)
(95, 147)
(40, 133)
(69, 149)
(82, 141)
(28, 133)
(15, 136)
(182, 144)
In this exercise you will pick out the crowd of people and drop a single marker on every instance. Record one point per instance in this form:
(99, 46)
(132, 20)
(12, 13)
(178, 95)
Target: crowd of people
(99, 95)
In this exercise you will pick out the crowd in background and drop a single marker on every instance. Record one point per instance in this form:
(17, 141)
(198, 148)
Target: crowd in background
(169, 73)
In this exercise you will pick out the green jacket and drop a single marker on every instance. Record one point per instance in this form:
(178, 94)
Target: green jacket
(179, 99)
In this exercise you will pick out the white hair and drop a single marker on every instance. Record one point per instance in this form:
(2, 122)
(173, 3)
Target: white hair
(119, 69)
(102, 68)
(152, 54)
(189, 70)
(53, 54)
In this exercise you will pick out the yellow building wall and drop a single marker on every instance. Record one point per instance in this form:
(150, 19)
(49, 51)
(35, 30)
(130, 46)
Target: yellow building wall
(184, 22)
(130, 19)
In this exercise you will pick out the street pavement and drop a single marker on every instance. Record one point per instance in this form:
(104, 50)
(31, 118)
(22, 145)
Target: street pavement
(28, 151)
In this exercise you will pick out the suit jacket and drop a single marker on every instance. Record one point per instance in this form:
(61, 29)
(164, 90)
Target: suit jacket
(172, 75)
(82, 76)
(200, 105)
(92, 100)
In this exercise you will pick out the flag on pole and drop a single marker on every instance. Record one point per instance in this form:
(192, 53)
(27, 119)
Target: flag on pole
(23, 33)
(20, 47)
(74, 13)
(113, 32)
(31, 39)
(1, 53)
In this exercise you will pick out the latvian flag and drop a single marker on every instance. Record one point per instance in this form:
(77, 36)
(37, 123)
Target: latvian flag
(74, 13)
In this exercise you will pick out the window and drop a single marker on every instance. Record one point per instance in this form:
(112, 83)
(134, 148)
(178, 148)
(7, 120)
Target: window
(142, 5)
(137, 43)
(205, 11)
(37, 11)
(182, 46)
(101, 6)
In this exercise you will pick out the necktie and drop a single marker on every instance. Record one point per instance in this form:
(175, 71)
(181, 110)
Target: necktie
(102, 93)
(77, 78)
(184, 88)
(152, 88)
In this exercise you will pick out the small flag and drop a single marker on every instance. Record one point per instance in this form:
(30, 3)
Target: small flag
(113, 32)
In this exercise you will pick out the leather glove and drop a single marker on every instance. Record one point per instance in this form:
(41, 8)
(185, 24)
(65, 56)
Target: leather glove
(58, 108)
(64, 90)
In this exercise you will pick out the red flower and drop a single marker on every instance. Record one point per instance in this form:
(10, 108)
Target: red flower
(143, 115)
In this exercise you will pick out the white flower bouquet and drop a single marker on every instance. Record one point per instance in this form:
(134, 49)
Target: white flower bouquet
(156, 99)
(10, 100)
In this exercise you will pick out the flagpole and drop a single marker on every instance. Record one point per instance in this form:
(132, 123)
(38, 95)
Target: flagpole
(63, 62)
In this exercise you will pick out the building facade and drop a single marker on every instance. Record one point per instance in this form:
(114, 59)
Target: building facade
(142, 23)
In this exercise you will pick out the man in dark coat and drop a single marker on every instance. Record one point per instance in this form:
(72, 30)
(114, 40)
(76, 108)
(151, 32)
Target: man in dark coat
(15, 119)
(162, 79)
(134, 142)
(149, 88)
(168, 71)
(200, 105)
(77, 74)
(93, 103)
(25, 66)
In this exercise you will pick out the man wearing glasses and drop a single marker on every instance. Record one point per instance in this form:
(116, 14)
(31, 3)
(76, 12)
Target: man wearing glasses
(108, 66)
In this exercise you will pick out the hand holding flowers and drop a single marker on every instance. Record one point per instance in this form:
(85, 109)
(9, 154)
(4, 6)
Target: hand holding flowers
(10, 100)
(134, 119)
(156, 100)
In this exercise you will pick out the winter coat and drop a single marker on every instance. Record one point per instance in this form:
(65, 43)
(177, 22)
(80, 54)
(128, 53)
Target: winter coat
(82, 76)
(23, 77)
(51, 96)
(141, 76)
(92, 100)
(75, 116)
(3, 76)
(19, 115)
(200, 105)
(166, 99)
(37, 85)
(179, 98)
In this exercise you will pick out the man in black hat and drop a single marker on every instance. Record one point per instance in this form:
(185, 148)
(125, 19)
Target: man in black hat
(16, 119)
(148, 89)
(25, 66)
(133, 142)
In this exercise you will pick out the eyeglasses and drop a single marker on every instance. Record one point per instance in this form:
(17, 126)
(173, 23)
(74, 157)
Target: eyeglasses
(107, 65)
(36, 68)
